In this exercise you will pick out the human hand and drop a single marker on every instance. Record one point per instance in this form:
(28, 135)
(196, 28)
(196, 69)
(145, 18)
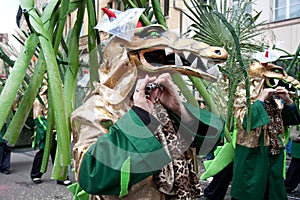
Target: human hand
(139, 98)
(167, 94)
(169, 97)
(284, 94)
(266, 93)
(281, 92)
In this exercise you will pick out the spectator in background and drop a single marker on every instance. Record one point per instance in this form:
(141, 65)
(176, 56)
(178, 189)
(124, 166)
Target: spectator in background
(5, 153)
(201, 103)
(39, 142)
(41, 129)
(40, 110)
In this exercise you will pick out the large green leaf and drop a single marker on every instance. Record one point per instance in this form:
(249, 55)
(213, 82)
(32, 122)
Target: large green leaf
(17, 75)
(222, 159)
(55, 84)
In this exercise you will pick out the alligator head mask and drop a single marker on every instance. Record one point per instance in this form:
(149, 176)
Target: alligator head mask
(266, 75)
(275, 76)
(154, 50)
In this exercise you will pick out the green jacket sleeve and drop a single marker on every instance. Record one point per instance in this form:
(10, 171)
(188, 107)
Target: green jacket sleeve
(290, 115)
(259, 116)
(204, 131)
(100, 170)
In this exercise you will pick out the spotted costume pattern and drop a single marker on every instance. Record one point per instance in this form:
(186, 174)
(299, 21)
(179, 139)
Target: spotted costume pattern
(177, 178)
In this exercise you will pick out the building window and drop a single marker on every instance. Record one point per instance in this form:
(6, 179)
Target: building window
(286, 9)
(109, 5)
(294, 8)
(82, 30)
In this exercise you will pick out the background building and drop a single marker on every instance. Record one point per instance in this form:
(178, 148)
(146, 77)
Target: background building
(282, 22)
(281, 19)
(4, 41)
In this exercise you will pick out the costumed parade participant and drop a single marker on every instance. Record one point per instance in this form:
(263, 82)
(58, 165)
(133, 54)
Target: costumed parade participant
(259, 154)
(133, 135)
(293, 171)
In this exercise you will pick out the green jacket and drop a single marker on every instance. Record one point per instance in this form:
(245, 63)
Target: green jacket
(259, 120)
(130, 142)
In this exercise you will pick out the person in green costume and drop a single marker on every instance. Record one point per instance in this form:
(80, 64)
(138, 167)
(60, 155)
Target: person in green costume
(259, 155)
(293, 175)
(147, 153)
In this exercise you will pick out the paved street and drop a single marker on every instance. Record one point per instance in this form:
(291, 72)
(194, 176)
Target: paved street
(18, 185)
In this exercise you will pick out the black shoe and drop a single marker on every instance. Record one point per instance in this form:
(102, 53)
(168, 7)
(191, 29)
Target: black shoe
(65, 182)
(37, 180)
(294, 192)
(6, 171)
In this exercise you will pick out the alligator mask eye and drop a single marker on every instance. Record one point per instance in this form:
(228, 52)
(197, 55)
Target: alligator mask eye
(276, 70)
(154, 34)
(271, 82)
(150, 32)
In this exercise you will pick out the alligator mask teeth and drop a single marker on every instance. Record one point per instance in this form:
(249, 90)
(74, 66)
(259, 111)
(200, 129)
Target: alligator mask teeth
(154, 49)
(188, 63)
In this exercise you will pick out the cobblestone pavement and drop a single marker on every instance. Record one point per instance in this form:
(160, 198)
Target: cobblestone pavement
(18, 184)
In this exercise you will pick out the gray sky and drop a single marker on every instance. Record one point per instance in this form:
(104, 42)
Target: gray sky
(8, 12)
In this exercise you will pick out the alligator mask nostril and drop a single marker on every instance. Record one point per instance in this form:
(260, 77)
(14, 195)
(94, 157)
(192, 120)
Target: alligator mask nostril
(218, 52)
